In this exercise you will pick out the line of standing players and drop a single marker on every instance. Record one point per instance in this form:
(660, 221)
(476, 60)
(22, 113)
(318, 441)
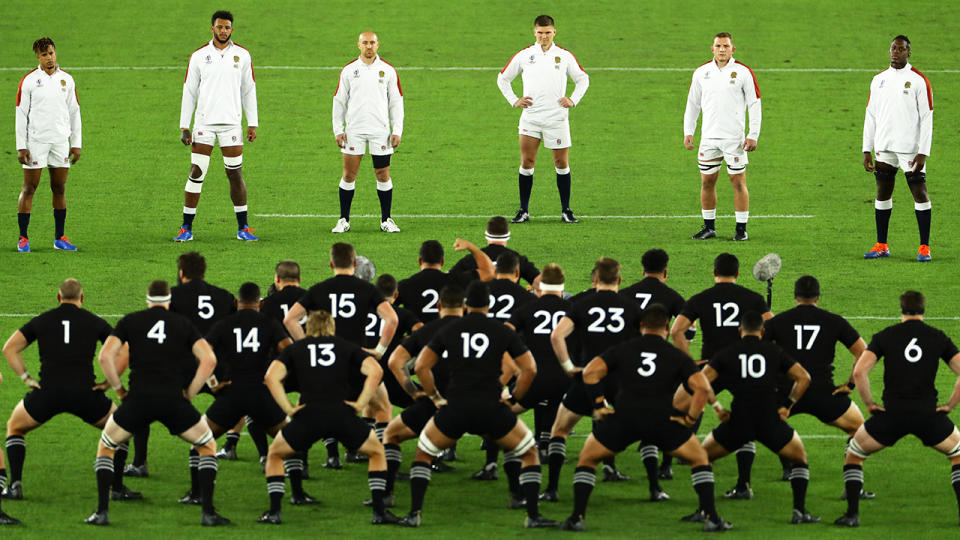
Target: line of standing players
(481, 356)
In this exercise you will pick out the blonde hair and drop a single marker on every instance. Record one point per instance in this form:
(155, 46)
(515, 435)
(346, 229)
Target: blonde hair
(320, 323)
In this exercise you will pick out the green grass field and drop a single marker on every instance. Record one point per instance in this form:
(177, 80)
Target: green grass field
(813, 61)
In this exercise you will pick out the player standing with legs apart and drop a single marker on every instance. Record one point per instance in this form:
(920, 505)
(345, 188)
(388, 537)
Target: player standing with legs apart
(723, 88)
(752, 369)
(481, 353)
(219, 83)
(649, 369)
(153, 337)
(719, 310)
(910, 352)
(810, 336)
(48, 132)
(322, 363)
(602, 318)
(67, 339)
(544, 68)
(369, 101)
(898, 128)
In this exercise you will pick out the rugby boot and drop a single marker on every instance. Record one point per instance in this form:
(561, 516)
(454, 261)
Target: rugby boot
(877, 251)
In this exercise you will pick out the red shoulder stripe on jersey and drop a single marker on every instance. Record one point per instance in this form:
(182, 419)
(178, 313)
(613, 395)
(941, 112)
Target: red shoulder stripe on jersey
(574, 57)
(512, 57)
(397, 74)
(20, 86)
(75, 95)
(755, 85)
(341, 76)
(927, 82)
(185, 75)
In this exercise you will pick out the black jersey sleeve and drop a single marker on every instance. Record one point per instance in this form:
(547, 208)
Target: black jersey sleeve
(516, 347)
(528, 270)
(691, 308)
(949, 349)
(848, 335)
(104, 331)
(277, 332)
(30, 331)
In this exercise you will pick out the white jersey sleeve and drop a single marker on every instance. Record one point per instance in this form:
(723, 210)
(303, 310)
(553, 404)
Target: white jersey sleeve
(395, 104)
(23, 112)
(191, 88)
(692, 112)
(340, 98)
(580, 79)
(925, 110)
(73, 109)
(507, 75)
(248, 94)
(751, 95)
(869, 124)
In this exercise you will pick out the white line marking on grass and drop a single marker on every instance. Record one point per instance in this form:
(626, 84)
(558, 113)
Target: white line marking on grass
(475, 68)
(487, 216)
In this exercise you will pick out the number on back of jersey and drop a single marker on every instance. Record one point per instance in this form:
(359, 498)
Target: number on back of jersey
(252, 341)
(322, 354)
(474, 345)
(158, 332)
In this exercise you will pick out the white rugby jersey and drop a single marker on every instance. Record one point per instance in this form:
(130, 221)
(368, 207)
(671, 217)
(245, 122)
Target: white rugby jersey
(369, 99)
(723, 94)
(544, 75)
(47, 109)
(899, 114)
(217, 84)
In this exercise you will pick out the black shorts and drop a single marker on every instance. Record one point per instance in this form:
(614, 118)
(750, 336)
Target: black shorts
(140, 410)
(766, 427)
(576, 399)
(618, 431)
(820, 402)
(491, 420)
(545, 390)
(417, 415)
(315, 422)
(88, 405)
(889, 427)
(255, 401)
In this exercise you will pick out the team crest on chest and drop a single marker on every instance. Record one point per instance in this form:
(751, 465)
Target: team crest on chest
(208, 59)
(64, 83)
(733, 77)
(356, 74)
(906, 84)
(533, 58)
(236, 58)
(556, 60)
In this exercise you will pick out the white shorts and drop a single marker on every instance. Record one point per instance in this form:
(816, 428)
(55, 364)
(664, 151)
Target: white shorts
(225, 135)
(731, 150)
(555, 135)
(357, 144)
(903, 161)
(48, 155)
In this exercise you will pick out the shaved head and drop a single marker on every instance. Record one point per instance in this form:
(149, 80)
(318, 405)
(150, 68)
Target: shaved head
(70, 289)
(368, 35)
(368, 43)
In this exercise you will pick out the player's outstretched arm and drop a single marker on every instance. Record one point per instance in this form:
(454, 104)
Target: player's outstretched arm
(373, 373)
(206, 362)
(861, 377)
(955, 396)
(13, 351)
(558, 340)
(485, 268)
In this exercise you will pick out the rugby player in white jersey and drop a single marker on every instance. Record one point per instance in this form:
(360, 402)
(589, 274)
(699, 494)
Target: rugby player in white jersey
(723, 88)
(219, 83)
(367, 110)
(898, 128)
(48, 132)
(544, 68)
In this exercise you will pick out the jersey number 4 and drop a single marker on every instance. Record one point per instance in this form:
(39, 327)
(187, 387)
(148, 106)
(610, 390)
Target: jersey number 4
(158, 332)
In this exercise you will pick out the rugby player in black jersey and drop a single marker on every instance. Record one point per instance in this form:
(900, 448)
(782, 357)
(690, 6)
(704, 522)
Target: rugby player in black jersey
(601, 319)
(420, 292)
(810, 334)
(535, 322)
(153, 337)
(648, 369)
(752, 369)
(322, 363)
(719, 310)
(497, 234)
(653, 289)
(911, 353)
(481, 353)
(409, 423)
(67, 338)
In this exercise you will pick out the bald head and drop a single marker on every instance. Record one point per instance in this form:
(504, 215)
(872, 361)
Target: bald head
(70, 290)
(368, 43)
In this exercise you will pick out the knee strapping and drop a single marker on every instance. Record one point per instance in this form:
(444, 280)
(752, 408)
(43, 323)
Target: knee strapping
(854, 448)
(886, 175)
(232, 163)
(526, 444)
(425, 444)
(108, 442)
(955, 452)
(204, 439)
(709, 167)
(916, 177)
(380, 162)
(201, 162)
(734, 170)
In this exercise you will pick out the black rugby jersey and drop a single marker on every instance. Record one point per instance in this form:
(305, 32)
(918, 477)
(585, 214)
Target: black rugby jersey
(601, 320)
(810, 335)
(420, 339)
(506, 297)
(648, 370)
(651, 290)
(322, 367)
(244, 343)
(719, 309)
(752, 370)
(349, 299)
(66, 339)
(420, 293)
(202, 303)
(159, 342)
(278, 304)
(535, 322)
(528, 270)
